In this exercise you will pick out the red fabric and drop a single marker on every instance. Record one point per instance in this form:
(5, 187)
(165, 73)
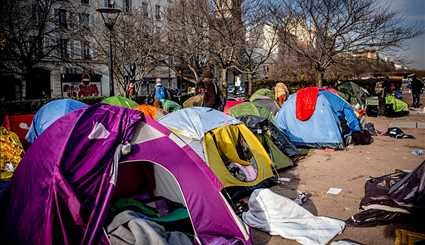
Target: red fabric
(230, 104)
(18, 124)
(306, 102)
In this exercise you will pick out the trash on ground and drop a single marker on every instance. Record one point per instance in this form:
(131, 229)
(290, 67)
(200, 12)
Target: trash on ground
(391, 197)
(398, 133)
(418, 152)
(334, 191)
(371, 128)
(302, 198)
(284, 179)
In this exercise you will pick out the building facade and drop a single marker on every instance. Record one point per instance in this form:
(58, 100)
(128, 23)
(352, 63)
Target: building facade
(75, 68)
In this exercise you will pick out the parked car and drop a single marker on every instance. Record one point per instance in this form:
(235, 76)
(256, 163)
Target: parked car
(230, 89)
(240, 91)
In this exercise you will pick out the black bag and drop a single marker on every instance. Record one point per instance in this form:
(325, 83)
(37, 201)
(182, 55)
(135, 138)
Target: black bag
(393, 197)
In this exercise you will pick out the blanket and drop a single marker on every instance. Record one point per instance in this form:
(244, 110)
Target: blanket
(279, 215)
(129, 227)
(306, 102)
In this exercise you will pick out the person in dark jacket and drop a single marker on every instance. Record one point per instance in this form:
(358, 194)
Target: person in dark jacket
(208, 89)
(416, 87)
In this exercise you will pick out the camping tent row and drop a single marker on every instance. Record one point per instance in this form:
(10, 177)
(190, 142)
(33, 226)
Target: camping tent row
(56, 109)
(63, 195)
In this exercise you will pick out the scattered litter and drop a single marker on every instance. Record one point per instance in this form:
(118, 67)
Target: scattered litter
(334, 191)
(284, 179)
(350, 147)
(302, 198)
(418, 152)
(398, 133)
(371, 129)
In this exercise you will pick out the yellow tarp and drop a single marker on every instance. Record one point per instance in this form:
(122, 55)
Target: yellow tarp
(226, 139)
(10, 153)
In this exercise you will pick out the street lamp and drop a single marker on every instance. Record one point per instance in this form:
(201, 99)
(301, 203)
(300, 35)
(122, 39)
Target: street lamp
(109, 16)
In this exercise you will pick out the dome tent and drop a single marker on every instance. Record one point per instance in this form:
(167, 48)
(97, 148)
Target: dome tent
(120, 101)
(77, 176)
(49, 113)
(265, 98)
(259, 121)
(215, 137)
(323, 128)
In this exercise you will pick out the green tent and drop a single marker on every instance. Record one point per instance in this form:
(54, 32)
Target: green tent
(263, 92)
(353, 93)
(279, 159)
(170, 106)
(250, 108)
(120, 101)
(257, 118)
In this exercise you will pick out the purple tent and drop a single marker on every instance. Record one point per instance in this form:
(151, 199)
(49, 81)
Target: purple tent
(61, 191)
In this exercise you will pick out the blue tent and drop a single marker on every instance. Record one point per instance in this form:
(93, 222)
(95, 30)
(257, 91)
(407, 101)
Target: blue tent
(323, 129)
(49, 113)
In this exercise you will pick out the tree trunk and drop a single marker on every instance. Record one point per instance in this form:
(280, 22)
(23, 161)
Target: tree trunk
(320, 77)
(223, 81)
(249, 84)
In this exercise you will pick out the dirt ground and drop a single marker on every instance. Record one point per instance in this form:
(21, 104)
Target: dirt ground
(349, 170)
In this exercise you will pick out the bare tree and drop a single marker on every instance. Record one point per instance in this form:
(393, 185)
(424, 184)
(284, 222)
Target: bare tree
(136, 46)
(261, 43)
(186, 39)
(243, 36)
(322, 30)
(29, 30)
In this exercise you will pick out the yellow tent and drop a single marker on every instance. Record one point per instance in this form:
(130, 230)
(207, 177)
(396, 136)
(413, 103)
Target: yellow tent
(220, 139)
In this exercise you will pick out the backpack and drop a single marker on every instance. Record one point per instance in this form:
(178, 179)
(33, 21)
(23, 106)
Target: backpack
(161, 93)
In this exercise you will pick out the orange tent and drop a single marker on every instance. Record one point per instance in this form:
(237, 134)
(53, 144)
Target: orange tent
(149, 110)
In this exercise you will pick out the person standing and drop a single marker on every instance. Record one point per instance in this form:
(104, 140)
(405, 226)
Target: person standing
(416, 86)
(209, 90)
(281, 93)
(160, 92)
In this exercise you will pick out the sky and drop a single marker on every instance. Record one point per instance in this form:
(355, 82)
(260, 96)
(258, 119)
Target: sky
(414, 13)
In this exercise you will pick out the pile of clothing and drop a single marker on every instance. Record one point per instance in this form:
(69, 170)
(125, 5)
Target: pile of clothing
(137, 221)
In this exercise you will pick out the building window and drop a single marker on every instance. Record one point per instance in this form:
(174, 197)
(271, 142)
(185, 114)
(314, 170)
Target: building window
(85, 1)
(145, 9)
(127, 5)
(109, 3)
(71, 49)
(85, 51)
(158, 12)
(63, 48)
(61, 17)
(84, 20)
